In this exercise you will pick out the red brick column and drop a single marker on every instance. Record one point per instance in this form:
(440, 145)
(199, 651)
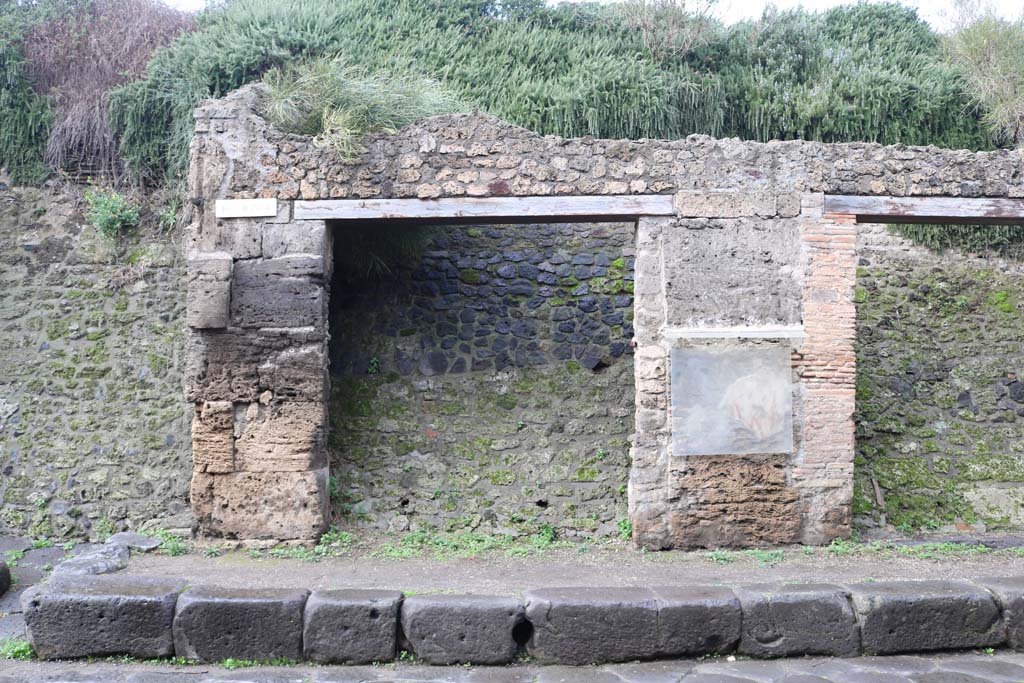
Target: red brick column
(826, 365)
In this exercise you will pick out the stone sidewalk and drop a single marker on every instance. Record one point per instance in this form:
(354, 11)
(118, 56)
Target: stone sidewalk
(1000, 667)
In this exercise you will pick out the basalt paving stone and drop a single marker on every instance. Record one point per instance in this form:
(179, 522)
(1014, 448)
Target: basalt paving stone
(14, 544)
(766, 671)
(912, 616)
(584, 625)
(454, 629)
(570, 674)
(988, 668)
(650, 672)
(1009, 592)
(351, 626)
(134, 542)
(41, 558)
(257, 676)
(212, 624)
(801, 619)
(100, 616)
(947, 677)
(100, 559)
(167, 677)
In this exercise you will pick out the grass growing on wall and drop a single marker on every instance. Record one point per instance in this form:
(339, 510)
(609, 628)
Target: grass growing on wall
(339, 104)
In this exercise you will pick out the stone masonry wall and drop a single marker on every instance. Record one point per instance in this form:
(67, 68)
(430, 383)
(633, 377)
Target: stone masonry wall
(488, 386)
(939, 397)
(258, 288)
(93, 435)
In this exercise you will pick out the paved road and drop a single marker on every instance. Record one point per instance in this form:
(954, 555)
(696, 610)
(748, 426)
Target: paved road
(1003, 667)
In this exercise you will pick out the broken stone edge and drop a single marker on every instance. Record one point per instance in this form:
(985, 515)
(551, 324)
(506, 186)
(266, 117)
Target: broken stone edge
(558, 625)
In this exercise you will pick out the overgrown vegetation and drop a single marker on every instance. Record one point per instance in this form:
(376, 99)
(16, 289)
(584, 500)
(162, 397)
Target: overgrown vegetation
(58, 61)
(338, 104)
(860, 72)
(111, 213)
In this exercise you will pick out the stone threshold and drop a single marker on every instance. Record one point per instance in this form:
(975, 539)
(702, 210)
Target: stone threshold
(155, 617)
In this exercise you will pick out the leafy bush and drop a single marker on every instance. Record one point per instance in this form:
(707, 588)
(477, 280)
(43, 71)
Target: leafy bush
(111, 213)
(338, 104)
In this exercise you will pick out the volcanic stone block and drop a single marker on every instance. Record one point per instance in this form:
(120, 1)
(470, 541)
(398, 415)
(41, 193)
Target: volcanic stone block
(1009, 591)
(351, 626)
(461, 629)
(280, 505)
(5, 578)
(104, 559)
(280, 437)
(296, 237)
(908, 616)
(805, 619)
(213, 437)
(239, 365)
(697, 620)
(208, 296)
(134, 542)
(97, 616)
(589, 625)
(212, 624)
(280, 292)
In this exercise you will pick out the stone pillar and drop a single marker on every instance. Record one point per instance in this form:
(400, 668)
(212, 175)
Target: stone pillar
(256, 351)
(648, 489)
(826, 364)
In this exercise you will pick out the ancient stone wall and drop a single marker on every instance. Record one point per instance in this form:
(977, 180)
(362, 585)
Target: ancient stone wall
(939, 397)
(487, 385)
(93, 433)
(768, 267)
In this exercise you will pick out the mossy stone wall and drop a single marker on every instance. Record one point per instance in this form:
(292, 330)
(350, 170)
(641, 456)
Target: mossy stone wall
(940, 396)
(93, 433)
(488, 386)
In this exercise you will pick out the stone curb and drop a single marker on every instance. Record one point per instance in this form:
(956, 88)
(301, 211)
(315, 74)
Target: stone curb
(80, 616)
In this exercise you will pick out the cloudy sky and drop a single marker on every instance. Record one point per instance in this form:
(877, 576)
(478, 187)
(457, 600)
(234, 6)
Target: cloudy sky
(935, 12)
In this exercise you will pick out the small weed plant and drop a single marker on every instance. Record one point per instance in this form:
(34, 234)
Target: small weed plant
(625, 529)
(170, 544)
(720, 556)
(16, 648)
(334, 543)
(112, 214)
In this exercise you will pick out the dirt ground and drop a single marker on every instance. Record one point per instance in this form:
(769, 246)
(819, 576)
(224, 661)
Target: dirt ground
(509, 572)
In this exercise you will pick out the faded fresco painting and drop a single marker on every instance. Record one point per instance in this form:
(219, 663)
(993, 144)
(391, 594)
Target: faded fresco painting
(735, 401)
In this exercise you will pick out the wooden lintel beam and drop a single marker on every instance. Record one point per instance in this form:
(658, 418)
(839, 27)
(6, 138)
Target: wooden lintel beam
(491, 209)
(954, 210)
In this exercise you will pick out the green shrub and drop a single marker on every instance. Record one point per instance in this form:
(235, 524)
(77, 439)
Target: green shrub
(111, 214)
